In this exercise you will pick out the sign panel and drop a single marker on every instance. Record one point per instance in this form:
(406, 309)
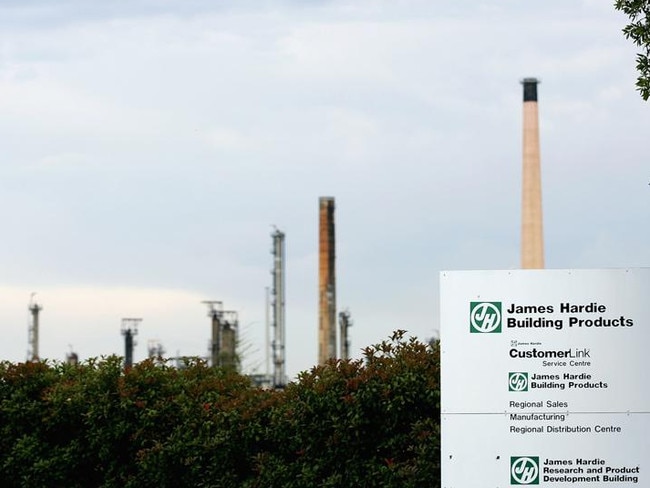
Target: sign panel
(545, 378)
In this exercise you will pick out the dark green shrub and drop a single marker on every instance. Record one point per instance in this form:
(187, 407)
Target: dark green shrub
(371, 422)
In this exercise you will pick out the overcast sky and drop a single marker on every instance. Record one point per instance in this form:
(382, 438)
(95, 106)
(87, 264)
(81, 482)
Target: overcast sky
(148, 147)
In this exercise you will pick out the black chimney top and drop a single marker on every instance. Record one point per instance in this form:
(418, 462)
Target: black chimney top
(530, 89)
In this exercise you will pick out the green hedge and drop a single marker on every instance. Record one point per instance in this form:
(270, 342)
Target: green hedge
(373, 422)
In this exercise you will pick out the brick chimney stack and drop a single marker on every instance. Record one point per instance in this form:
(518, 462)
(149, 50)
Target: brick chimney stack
(532, 238)
(327, 281)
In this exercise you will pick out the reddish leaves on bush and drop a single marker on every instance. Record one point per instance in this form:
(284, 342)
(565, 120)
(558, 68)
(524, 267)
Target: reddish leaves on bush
(369, 422)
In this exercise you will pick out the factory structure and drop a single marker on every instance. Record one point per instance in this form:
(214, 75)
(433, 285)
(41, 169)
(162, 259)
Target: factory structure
(333, 341)
(224, 324)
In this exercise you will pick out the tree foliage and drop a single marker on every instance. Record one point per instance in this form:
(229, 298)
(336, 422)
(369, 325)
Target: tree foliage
(371, 422)
(638, 30)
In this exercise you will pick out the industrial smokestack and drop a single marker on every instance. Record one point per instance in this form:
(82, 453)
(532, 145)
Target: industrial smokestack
(532, 238)
(327, 282)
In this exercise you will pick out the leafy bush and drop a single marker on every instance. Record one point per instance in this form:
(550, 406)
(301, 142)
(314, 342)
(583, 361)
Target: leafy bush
(370, 422)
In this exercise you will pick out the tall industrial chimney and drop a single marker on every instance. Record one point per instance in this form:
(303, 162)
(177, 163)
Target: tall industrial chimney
(532, 238)
(327, 282)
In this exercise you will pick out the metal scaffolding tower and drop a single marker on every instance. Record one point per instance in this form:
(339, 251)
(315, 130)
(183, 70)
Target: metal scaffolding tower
(155, 350)
(223, 344)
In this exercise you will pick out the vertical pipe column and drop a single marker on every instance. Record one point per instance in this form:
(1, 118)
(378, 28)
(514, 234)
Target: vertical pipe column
(129, 331)
(267, 330)
(128, 349)
(327, 281)
(344, 325)
(279, 374)
(215, 343)
(228, 341)
(532, 240)
(215, 312)
(35, 309)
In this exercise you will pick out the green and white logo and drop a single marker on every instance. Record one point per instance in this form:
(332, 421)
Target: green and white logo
(524, 470)
(485, 317)
(518, 381)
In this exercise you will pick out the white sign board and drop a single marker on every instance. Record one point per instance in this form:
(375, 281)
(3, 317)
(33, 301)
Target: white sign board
(545, 378)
